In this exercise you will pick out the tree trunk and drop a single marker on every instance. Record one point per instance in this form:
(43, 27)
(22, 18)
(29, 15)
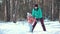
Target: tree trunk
(5, 10)
(11, 8)
(59, 12)
(8, 9)
(52, 9)
(59, 16)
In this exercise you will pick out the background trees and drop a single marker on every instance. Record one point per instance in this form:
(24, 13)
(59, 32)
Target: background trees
(50, 8)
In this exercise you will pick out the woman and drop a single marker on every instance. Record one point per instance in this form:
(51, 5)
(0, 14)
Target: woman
(37, 14)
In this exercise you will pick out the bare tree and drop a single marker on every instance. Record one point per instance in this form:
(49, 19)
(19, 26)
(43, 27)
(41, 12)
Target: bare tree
(52, 8)
(59, 16)
(11, 8)
(59, 9)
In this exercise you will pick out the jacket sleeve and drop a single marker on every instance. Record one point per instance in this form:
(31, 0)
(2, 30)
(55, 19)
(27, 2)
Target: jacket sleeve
(33, 13)
(40, 12)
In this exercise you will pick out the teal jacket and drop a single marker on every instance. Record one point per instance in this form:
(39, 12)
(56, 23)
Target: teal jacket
(37, 13)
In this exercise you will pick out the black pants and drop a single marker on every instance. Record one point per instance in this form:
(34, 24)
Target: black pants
(42, 24)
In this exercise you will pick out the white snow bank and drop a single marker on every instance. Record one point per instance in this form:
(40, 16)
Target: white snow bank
(21, 27)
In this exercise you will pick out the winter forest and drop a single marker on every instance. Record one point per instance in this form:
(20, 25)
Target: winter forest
(50, 8)
(14, 20)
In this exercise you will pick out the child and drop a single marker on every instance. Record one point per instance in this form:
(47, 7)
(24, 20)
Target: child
(30, 20)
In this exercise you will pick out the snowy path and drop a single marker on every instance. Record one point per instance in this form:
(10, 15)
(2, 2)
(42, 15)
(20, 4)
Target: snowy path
(21, 27)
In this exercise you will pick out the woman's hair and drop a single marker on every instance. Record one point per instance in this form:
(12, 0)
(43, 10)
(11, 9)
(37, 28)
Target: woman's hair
(36, 5)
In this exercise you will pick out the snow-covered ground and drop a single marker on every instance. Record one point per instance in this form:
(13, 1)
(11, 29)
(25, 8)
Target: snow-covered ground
(21, 27)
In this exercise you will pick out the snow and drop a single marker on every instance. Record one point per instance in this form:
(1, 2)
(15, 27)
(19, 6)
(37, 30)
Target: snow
(22, 27)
